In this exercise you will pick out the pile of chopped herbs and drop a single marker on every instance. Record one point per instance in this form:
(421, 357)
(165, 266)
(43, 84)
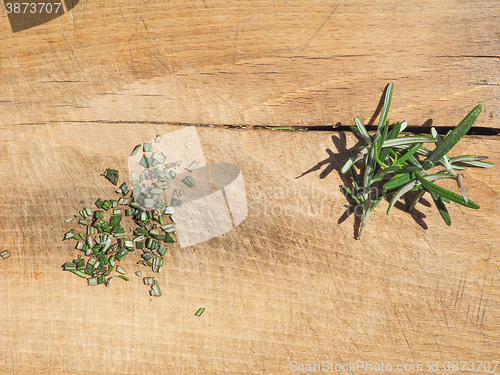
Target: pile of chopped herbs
(108, 236)
(387, 165)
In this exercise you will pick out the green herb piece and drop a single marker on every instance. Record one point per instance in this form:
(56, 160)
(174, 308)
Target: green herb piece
(429, 186)
(109, 281)
(451, 139)
(169, 237)
(80, 274)
(70, 234)
(68, 266)
(157, 264)
(472, 160)
(128, 244)
(200, 311)
(79, 264)
(148, 147)
(155, 290)
(443, 211)
(99, 203)
(106, 205)
(397, 181)
(160, 158)
(406, 188)
(410, 140)
(140, 231)
(174, 202)
(115, 220)
(124, 188)
(411, 151)
(121, 254)
(112, 175)
(385, 108)
(135, 150)
(188, 181)
(124, 201)
(162, 249)
(145, 162)
(147, 255)
(362, 131)
(192, 166)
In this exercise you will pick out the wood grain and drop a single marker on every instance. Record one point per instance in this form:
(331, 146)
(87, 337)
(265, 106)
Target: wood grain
(289, 284)
(255, 62)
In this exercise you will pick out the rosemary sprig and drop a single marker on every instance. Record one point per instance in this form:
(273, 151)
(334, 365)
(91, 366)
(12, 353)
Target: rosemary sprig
(387, 164)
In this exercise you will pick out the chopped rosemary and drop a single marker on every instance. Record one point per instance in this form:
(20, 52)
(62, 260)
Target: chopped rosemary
(200, 311)
(155, 290)
(112, 175)
(135, 150)
(120, 270)
(192, 166)
(107, 243)
(188, 181)
(80, 274)
(147, 147)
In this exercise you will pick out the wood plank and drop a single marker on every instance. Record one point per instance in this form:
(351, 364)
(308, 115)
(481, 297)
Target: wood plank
(289, 284)
(254, 62)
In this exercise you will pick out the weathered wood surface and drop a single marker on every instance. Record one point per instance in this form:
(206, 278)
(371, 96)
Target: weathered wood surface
(259, 62)
(289, 284)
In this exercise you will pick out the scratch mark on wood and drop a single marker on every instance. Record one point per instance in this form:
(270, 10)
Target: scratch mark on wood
(487, 300)
(321, 26)
(236, 41)
(458, 299)
(404, 336)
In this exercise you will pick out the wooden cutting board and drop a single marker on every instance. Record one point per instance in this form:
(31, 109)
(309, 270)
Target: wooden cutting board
(289, 286)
